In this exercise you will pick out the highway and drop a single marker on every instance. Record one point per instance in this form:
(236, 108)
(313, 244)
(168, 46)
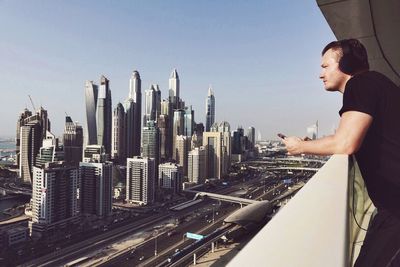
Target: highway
(196, 219)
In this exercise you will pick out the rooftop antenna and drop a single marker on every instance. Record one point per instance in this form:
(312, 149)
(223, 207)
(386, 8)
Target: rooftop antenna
(33, 105)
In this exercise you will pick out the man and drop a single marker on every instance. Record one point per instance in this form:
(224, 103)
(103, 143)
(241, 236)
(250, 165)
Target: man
(369, 128)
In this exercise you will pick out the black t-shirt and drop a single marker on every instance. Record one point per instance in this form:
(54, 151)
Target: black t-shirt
(379, 155)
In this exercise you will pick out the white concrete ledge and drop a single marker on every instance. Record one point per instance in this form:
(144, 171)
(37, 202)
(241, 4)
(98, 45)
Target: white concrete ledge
(311, 230)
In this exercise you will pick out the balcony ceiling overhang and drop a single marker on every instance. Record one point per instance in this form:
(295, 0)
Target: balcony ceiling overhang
(375, 23)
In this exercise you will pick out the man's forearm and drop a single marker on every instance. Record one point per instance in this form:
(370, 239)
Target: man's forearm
(328, 145)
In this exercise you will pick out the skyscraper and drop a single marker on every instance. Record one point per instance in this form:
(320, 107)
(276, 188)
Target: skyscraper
(30, 143)
(197, 137)
(130, 141)
(218, 150)
(150, 105)
(189, 121)
(151, 144)
(197, 165)
(72, 142)
(157, 100)
(167, 109)
(95, 182)
(91, 92)
(174, 87)
(178, 128)
(140, 180)
(182, 149)
(163, 126)
(210, 110)
(32, 133)
(118, 139)
(226, 150)
(20, 122)
(251, 136)
(50, 151)
(238, 141)
(212, 142)
(170, 177)
(104, 115)
(135, 93)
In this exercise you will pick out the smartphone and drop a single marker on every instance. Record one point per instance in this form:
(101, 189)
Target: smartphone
(282, 135)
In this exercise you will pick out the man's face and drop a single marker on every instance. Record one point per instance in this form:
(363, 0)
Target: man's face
(333, 78)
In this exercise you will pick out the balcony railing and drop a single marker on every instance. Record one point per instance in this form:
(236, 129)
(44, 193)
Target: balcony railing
(319, 226)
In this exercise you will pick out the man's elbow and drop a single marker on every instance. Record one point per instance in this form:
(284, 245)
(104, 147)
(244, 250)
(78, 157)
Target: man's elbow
(347, 148)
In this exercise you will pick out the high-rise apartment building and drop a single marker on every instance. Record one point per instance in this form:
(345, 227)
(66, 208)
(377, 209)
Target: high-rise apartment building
(118, 140)
(210, 109)
(91, 93)
(170, 177)
(104, 115)
(197, 165)
(95, 182)
(140, 180)
(54, 193)
(72, 142)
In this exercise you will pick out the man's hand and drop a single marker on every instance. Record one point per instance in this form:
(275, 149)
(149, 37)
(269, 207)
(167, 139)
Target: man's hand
(293, 145)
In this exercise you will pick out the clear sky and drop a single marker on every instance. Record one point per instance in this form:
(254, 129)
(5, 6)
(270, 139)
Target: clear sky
(262, 58)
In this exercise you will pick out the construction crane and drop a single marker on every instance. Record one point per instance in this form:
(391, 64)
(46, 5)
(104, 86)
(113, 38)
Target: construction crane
(33, 105)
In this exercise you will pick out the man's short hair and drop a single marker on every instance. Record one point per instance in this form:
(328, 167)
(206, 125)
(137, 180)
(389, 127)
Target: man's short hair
(352, 55)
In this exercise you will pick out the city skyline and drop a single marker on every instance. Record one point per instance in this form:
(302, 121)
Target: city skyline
(235, 54)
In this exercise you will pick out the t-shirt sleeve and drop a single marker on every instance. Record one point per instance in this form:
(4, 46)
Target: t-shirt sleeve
(359, 95)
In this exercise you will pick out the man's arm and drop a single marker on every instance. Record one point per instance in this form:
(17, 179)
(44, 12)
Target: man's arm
(348, 138)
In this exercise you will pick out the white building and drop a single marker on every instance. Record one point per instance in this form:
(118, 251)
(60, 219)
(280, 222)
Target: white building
(140, 180)
(54, 193)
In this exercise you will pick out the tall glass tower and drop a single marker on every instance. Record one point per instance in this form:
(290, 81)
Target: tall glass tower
(91, 92)
(174, 86)
(210, 110)
(104, 115)
(134, 124)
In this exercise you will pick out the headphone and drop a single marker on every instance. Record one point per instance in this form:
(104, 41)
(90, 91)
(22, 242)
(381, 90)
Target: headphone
(354, 58)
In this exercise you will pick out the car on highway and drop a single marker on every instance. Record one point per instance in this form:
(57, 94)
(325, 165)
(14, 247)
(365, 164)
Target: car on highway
(171, 233)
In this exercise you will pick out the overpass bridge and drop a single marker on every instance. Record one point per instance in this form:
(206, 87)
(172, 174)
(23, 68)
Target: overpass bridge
(287, 159)
(293, 169)
(238, 200)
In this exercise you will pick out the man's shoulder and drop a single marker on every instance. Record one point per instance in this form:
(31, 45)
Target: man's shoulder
(370, 76)
(370, 79)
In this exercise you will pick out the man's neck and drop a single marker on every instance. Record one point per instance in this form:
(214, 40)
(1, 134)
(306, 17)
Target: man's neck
(343, 87)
